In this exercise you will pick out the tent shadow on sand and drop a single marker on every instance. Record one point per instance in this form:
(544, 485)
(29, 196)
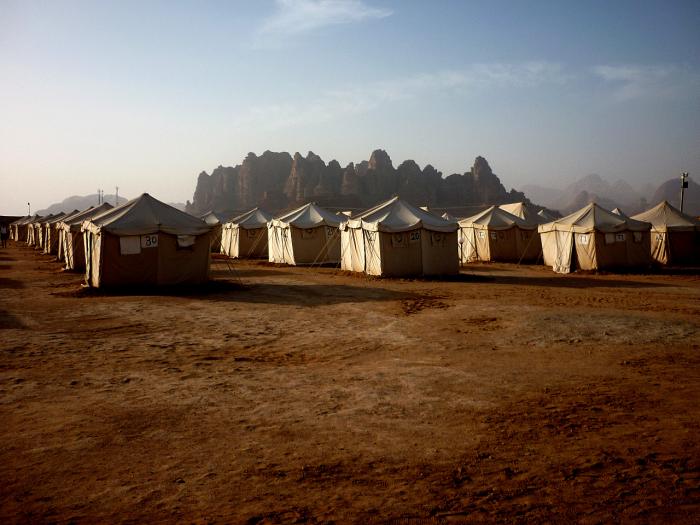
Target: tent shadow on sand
(312, 294)
(219, 290)
(566, 282)
(10, 322)
(12, 284)
(244, 272)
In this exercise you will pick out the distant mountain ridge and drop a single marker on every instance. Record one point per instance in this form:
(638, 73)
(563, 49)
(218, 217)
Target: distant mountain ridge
(279, 180)
(83, 202)
(671, 191)
(619, 194)
(80, 202)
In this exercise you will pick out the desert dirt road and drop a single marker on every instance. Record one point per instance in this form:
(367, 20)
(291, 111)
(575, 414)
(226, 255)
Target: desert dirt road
(301, 395)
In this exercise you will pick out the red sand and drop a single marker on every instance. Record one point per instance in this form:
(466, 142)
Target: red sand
(309, 395)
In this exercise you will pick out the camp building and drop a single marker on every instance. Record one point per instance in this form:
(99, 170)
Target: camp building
(71, 237)
(306, 235)
(145, 242)
(675, 236)
(18, 229)
(50, 244)
(527, 212)
(594, 238)
(497, 235)
(396, 239)
(245, 236)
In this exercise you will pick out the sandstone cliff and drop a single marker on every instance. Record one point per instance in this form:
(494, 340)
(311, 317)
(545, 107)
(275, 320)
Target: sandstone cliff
(278, 180)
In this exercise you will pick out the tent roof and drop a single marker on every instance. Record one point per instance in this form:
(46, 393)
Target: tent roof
(594, 218)
(214, 218)
(47, 218)
(211, 218)
(546, 215)
(526, 212)
(145, 215)
(34, 218)
(250, 220)
(495, 218)
(449, 217)
(308, 216)
(664, 217)
(58, 218)
(75, 221)
(396, 215)
(21, 220)
(618, 211)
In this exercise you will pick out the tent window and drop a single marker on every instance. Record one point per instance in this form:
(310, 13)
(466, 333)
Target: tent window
(251, 233)
(524, 235)
(436, 239)
(637, 236)
(494, 236)
(307, 234)
(620, 237)
(482, 234)
(414, 236)
(130, 245)
(583, 239)
(609, 238)
(659, 237)
(330, 232)
(185, 241)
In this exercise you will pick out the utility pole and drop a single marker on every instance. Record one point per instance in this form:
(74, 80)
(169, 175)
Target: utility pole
(98, 197)
(116, 197)
(29, 210)
(684, 185)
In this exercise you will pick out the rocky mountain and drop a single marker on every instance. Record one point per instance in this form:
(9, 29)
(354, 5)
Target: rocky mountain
(79, 202)
(592, 188)
(671, 192)
(279, 180)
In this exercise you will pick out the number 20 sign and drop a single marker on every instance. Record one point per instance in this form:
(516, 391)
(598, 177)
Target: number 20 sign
(149, 241)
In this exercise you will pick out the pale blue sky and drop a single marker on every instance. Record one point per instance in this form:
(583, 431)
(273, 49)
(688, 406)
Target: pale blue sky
(145, 95)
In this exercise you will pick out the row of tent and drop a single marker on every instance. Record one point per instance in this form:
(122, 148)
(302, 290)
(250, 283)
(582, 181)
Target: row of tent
(146, 241)
(396, 238)
(143, 241)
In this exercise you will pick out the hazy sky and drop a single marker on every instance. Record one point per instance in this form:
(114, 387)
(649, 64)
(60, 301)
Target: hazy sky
(145, 95)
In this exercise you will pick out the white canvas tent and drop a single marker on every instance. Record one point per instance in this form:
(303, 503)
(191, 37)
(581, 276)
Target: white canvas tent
(397, 239)
(40, 230)
(146, 242)
(51, 233)
(675, 236)
(33, 229)
(72, 239)
(307, 235)
(497, 235)
(216, 220)
(246, 235)
(527, 212)
(18, 229)
(594, 238)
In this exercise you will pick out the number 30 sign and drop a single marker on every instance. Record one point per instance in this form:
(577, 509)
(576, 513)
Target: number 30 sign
(149, 241)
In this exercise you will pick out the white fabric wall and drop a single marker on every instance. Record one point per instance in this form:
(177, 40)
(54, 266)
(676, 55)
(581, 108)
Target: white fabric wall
(557, 248)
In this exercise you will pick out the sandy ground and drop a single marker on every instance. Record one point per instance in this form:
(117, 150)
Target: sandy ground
(310, 396)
